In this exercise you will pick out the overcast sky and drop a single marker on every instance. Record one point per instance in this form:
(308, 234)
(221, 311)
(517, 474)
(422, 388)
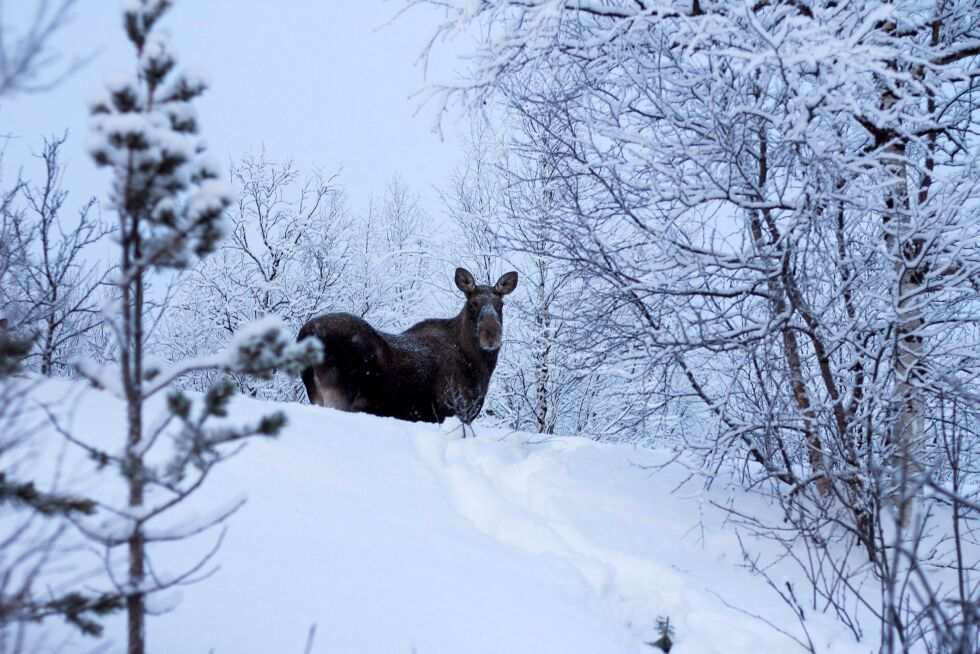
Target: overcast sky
(310, 79)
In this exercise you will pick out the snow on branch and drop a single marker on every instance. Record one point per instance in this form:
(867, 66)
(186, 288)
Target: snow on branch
(258, 349)
(266, 344)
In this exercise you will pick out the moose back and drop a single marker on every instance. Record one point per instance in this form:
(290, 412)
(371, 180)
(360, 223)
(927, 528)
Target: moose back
(435, 369)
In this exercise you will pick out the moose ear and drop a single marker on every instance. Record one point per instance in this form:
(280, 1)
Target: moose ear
(506, 284)
(465, 281)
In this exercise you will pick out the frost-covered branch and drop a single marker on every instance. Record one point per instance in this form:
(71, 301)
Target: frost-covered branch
(28, 61)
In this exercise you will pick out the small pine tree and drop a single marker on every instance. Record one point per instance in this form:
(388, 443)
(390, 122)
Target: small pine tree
(170, 207)
(666, 633)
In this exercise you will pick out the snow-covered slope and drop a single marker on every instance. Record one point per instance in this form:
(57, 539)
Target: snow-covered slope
(399, 537)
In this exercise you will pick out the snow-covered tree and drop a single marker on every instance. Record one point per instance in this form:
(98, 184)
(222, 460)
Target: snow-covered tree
(472, 200)
(170, 208)
(392, 264)
(286, 256)
(57, 290)
(34, 513)
(501, 200)
(774, 212)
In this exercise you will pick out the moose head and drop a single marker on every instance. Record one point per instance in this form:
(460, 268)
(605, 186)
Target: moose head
(483, 316)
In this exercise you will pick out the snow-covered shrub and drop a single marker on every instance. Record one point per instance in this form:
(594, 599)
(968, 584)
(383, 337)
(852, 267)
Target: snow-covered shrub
(287, 256)
(501, 201)
(393, 260)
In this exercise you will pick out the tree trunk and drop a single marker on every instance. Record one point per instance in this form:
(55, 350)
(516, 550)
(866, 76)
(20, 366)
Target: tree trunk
(904, 247)
(131, 362)
(780, 309)
(47, 354)
(135, 601)
(543, 352)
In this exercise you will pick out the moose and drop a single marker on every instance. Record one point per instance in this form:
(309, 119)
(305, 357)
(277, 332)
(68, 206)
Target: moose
(434, 369)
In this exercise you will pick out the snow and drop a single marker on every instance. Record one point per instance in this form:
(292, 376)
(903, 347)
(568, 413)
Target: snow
(263, 344)
(118, 82)
(212, 196)
(397, 537)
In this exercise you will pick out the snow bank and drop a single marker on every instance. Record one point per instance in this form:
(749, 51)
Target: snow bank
(399, 537)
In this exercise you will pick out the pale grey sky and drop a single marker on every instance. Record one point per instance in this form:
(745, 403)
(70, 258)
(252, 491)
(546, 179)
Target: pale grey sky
(310, 79)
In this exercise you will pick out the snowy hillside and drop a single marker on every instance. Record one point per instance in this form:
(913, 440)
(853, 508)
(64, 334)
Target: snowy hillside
(401, 537)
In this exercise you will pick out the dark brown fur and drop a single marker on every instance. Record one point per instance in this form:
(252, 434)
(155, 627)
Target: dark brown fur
(435, 369)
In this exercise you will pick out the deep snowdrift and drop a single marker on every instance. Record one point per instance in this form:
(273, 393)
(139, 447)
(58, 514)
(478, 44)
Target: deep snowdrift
(401, 537)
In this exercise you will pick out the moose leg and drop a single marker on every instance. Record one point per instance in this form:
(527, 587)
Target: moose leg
(329, 392)
(309, 381)
(341, 381)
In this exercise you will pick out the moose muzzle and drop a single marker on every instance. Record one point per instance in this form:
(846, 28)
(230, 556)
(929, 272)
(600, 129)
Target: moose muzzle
(489, 329)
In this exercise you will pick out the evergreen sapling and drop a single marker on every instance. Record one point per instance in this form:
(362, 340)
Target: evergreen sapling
(170, 207)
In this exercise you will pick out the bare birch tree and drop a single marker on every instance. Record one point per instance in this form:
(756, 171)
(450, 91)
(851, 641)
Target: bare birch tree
(58, 290)
(392, 266)
(287, 256)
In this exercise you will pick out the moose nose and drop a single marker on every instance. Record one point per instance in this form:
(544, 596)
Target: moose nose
(490, 336)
